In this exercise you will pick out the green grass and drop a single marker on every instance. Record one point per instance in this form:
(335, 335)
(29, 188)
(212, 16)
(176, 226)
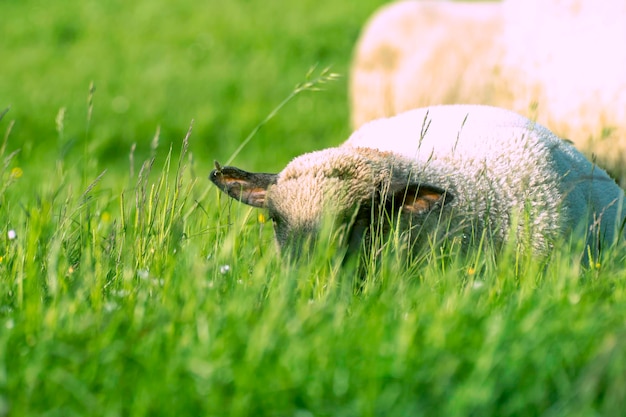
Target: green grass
(130, 286)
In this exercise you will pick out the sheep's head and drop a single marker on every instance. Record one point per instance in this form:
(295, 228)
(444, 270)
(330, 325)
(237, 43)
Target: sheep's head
(357, 188)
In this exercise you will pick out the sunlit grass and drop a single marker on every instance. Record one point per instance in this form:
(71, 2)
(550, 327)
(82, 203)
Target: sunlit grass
(154, 296)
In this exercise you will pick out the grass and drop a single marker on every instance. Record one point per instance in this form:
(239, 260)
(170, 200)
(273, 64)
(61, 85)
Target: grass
(129, 286)
(144, 300)
(156, 64)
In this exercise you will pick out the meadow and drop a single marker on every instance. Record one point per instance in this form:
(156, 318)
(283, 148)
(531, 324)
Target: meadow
(130, 286)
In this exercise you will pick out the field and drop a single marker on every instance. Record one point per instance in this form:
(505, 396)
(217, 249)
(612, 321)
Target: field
(130, 286)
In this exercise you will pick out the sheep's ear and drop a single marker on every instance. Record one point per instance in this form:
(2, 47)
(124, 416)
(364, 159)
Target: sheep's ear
(248, 187)
(420, 198)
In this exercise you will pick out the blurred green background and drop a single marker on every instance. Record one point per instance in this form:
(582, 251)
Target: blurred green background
(155, 63)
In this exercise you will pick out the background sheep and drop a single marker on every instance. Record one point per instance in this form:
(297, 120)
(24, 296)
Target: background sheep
(448, 172)
(560, 62)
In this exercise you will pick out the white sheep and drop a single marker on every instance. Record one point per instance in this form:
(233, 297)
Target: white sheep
(418, 53)
(559, 62)
(456, 172)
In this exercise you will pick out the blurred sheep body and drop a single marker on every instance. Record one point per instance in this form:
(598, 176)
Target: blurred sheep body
(456, 172)
(559, 62)
(419, 53)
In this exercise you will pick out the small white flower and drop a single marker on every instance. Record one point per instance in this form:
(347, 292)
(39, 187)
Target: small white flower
(143, 274)
(120, 293)
(11, 234)
(574, 298)
(110, 306)
(224, 269)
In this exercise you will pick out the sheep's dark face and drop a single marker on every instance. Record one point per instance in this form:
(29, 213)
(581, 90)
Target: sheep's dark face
(354, 192)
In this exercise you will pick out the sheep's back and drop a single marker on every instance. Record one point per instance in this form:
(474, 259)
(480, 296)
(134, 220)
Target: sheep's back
(453, 131)
(504, 167)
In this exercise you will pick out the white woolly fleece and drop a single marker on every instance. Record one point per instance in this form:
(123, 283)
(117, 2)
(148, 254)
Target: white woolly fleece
(560, 62)
(502, 166)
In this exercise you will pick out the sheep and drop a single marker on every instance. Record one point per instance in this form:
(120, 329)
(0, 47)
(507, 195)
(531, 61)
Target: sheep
(419, 53)
(559, 62)
(449, 173)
